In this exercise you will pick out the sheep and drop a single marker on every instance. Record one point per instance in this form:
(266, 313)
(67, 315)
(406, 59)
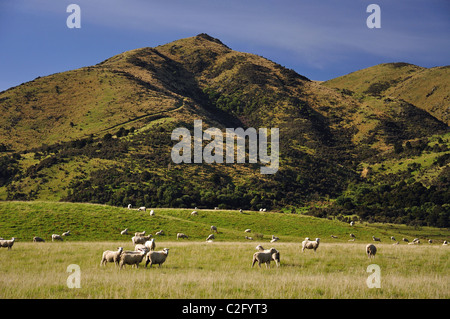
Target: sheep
(161, 232)
(38, 239)
(216, 208)
(445, 243)
(210, 237)
(248, 230)
(140, 239)
(141, 247)
(194, 213)
(371, 250)
(129, 206)
(274, 239)
(333, 236)
(124, 232)
(111, 256)
(56, 237)
(353, 239)
(376, 239)
(67, 233)
(393, 238)
(241, 211)
(181, 235)
(416, 240)
(156, 257)
(352, 236)
(142, 208)
(152, 213)
(142, 233)
(214, 228)
(352, 223)
(308, 244)
(260, 248)
(150, 244)
(405, 240)
(266, 257)
(131, 258)
(249, 238)
(7, 243)
(430, 241)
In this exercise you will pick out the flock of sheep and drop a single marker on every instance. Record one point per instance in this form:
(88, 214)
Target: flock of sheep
(145, 247)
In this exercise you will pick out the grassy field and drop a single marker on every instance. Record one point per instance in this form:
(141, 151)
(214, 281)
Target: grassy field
(222, 269)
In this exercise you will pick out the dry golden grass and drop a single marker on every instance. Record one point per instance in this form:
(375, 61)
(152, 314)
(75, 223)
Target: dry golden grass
(222, 270)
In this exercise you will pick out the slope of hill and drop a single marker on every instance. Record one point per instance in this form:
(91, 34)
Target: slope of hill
(102, 133)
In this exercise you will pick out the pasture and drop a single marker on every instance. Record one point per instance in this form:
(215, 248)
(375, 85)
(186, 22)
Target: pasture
(196, 269)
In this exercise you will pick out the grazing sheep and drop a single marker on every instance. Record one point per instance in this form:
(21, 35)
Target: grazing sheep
(274, 239)
(131, 258)
(352, 223)
(308, 244)
(216, 208)
(111, 256)
(150, 244)
(393, 238)
(266, 257)
(352, 236)
(7, 243)
(430, 241)
(249, 238)
(141, 247)
(260, 248)
(248, 230)
(405, 239)
(210, 237)
(152, 213)
(124, 232)
(56, 237)
(240, 210)
(38, 239)
(214, 228)
(371, 250)
(142, 208)
(416, 240)
(445, 243)
(194, 213)
(332, 236)
(181, 235)
(156, 257)
(129, 206)
(67, 233)
(142, 233)
(140, 239)
(161, 232)
(376, 239)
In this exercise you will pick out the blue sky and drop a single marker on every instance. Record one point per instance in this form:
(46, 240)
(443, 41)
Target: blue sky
(320, 39)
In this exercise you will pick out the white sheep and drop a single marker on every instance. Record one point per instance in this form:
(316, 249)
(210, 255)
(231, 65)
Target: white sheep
(405, 240)
(140, 239)
(266, 257)
(131, 258)
(181, 235)
(152, 213)
(393, 238)
(249, 238)
(150, 244)
(38, 239)
(214, 228)
(309, 244)
(7, 243)
(129, 206)
(141, 247)
(445, 243)
(142, 208)
(274, 239)
(352, 223)
(56, 237)
(376, 239)
(210, 237)
(371, 250)
(194, 213)
(161, 232)
(111, 256)
(430, 241)
(124, 232)
(142, 233)
(156, 257)
(248, 230)
(352, 236)
(67, 233)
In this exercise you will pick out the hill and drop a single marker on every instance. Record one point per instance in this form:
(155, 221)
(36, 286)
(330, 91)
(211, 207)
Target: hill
(102, 134)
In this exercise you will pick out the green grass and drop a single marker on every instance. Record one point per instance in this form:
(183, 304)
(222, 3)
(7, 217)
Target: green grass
(93, 222)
